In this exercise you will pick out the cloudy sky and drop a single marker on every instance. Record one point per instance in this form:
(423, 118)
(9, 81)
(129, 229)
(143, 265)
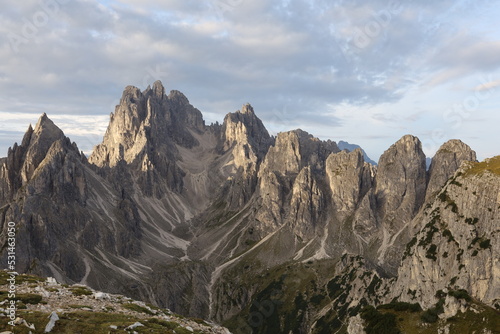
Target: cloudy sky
(367, 72)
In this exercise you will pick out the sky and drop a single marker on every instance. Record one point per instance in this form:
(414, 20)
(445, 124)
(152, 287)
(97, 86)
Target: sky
(366, 72)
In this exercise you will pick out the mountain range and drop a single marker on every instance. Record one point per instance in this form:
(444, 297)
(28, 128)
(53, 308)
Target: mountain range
(261, 233)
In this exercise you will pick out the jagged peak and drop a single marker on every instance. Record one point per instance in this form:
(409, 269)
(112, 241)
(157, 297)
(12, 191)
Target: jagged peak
(407, 144)
(27, 136)
(130, 93)
(447, 160)
(456, 146)
(299, 133)
(45, 127)
(158, 89)
(247, 109)
(409, 139)
(178, 97)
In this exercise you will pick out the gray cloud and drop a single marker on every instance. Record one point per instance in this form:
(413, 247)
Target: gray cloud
(299, 56)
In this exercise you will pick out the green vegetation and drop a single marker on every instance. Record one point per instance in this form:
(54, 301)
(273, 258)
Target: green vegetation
(447, 234)
(471, 221)
(374, 285)
(87, 322)
(431, 252)
(485, 244)
(443, 196)
(80, 291)
(398, 317)
(429, 316)
(430, 230)
(164, 323)
(432, 315)
(137, 308)
(79, 306)
(409, 246)
(379, 323)
(489, 165)
(23, 278)
(317, 299)
(460, 294)
(401, 307)
(482, 242)
(24, 298)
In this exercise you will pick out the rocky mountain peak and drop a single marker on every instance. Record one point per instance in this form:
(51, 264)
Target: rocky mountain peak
(158, 89)
(41, 138)
(130, 94)
(244, 131)
(178, 97)
(345, 175)
(46, 130)
(40, 144)
(296, 149)
(445, 163)
(247, 109)
(145, 121)
(400, 186)
(402, 165)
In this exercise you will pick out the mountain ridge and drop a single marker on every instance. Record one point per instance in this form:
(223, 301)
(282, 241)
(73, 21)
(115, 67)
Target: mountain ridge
(193, 217)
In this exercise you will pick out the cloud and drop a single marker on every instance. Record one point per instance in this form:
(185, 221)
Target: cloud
(300, 56)
(487, 86)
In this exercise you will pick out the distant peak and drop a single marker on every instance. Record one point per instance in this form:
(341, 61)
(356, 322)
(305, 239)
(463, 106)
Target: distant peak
(158, 88)
(46, 128)
(178, 96)
(408, 143)
(45, 124)
(247, 109)
(409, 138)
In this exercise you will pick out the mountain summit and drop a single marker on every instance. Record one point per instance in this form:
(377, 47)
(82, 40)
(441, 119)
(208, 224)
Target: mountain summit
(263, 234)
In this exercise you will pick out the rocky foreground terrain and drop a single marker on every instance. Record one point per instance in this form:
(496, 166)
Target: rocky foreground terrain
(263, 234)
(80, 309)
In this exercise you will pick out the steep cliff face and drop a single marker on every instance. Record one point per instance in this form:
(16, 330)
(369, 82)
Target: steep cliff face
(445, 163)
(290, 175)
(210, 220)
(144, 132)
(57, 203)
(345, 173)
(458, 245)
(147, 122)
(23, 160)
(247, 135)
(400, 183)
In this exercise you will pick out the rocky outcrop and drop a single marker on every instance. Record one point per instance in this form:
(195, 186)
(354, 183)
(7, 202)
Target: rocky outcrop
(49, 298)
(147, 121)
(399, 192)
(22, 161)
(144, 131)
(345, 175)
(458, 243)
(288, 176)
(57, 204)
(296, 149)
(244, 132)
(306, 205)
(445, 163)
(400, 183)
